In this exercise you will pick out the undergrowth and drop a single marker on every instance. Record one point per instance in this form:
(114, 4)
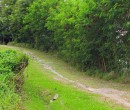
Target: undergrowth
(12, 64)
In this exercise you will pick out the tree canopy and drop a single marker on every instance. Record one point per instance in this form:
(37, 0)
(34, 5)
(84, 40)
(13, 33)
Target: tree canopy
(93, 34)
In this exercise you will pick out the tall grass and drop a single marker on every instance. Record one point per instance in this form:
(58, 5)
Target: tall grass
(11, 65)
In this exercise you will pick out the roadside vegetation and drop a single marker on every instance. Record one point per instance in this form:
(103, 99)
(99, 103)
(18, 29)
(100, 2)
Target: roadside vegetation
(12, 65)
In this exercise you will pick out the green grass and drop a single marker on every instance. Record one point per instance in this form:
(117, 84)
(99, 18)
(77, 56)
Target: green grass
(73, 73)
(39, 88)
(37, 75)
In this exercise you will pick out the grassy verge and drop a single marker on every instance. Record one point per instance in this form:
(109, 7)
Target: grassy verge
(39, 88)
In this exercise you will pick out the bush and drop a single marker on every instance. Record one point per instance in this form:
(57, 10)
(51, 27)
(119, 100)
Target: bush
(12, 64)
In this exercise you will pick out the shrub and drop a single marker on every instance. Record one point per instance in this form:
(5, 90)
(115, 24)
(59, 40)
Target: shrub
(11, 65)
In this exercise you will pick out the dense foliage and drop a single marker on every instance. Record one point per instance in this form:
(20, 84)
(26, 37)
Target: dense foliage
(93, 34)
(11, 65)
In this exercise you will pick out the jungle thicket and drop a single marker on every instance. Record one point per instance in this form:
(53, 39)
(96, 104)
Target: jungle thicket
(92, 34)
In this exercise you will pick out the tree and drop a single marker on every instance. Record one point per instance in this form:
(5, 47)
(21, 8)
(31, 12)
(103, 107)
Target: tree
(92, 34)
(35, 21)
